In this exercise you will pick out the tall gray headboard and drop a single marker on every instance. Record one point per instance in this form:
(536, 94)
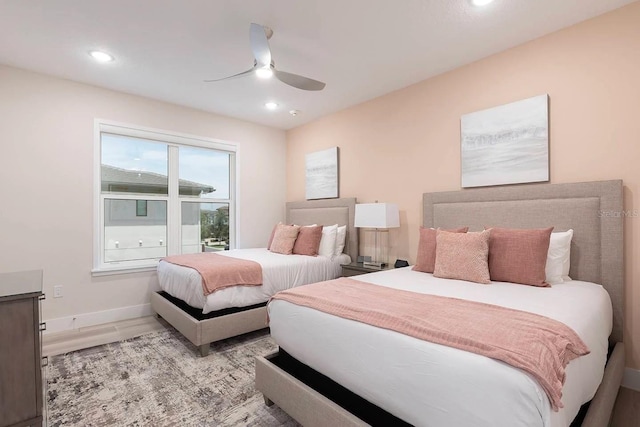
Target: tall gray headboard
(327, 212)
(592, 209)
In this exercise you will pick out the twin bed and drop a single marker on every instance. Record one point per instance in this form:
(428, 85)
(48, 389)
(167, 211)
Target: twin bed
(388, 378)
(241, 309)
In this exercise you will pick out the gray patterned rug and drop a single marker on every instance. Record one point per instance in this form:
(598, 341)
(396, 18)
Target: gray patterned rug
(158, 380)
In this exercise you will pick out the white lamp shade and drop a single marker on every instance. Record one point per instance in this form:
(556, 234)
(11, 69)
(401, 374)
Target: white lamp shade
(377, 215)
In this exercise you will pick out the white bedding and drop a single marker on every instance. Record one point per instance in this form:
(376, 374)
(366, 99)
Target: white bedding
(279, 272)
(430, 384)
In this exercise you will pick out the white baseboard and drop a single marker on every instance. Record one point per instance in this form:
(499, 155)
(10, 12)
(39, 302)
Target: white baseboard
(631, 379)
(97, 318)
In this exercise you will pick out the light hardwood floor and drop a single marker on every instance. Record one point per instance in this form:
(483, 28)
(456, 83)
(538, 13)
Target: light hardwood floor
(625, 414)
(91, 336)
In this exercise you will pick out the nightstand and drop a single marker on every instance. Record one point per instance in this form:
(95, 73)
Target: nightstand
(356, 268)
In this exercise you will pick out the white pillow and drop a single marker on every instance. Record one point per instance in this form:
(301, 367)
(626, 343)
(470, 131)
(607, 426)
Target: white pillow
(341, 237)
(559, 258)
(328, 240)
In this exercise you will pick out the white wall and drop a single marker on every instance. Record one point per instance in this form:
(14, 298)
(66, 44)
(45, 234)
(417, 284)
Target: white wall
(46, 189)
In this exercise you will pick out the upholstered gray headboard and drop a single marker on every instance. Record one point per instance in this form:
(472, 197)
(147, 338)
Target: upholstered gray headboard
(592, 209)
(327, 212)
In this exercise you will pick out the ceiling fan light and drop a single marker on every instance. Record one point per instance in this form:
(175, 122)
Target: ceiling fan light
(264, 72)
(264, 66)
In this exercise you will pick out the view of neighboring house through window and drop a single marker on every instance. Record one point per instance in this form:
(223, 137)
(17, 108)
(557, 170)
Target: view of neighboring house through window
(161, 194)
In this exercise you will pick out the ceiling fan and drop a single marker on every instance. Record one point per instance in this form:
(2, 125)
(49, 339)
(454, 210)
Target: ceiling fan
(264, 66)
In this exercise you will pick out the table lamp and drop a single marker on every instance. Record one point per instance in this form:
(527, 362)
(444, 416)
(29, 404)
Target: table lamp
(379, 217)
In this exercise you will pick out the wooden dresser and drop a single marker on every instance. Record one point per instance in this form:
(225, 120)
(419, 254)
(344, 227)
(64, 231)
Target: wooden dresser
(20, 360)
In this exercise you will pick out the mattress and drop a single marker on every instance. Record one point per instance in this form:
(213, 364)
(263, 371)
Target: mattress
(429, 384)
(279, 272)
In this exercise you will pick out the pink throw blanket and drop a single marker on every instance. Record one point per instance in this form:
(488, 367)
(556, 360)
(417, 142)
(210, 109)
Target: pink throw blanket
(219, 271)
(536, 344)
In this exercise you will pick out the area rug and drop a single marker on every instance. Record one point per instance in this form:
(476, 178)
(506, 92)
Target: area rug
(158, 380)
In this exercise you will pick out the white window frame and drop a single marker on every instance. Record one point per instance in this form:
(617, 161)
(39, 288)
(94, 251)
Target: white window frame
(173, 140)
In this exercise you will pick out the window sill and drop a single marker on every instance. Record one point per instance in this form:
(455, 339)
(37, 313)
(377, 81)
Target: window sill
(110, 271)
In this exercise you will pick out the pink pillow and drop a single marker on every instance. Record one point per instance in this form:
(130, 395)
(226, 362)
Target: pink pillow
(519, 256)
(284, 239)
(308, 241)
(426, 260)
(462, 256)
(273, 232)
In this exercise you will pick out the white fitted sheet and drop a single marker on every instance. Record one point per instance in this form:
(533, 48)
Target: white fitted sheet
(279, 272)
(430, 384)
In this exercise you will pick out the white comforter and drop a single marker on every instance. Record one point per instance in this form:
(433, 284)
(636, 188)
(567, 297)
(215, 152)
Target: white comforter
(430, 384)
(279, 272)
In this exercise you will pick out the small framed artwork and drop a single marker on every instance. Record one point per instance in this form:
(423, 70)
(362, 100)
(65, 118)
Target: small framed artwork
(321, 174)
(508, 144)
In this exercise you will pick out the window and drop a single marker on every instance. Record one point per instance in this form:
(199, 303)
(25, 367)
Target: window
(141, 208)
(160, 194)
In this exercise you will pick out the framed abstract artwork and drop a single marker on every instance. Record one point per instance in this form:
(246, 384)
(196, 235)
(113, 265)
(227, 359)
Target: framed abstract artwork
(508, 144)
(321, 173)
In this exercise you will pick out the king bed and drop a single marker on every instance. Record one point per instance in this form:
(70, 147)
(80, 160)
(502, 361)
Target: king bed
(204, 319)
(382, 377)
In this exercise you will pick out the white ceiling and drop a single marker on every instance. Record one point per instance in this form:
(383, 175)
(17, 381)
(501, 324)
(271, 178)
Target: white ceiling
(360, 48)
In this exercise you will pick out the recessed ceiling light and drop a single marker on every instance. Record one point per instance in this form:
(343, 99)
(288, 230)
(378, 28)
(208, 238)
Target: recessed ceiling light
(271, 105)
(481, 2)
(101, 56)
(294, 112)
(264, 72)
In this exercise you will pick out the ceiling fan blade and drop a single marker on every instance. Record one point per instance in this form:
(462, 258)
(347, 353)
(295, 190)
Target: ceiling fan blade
(300, 82)
(232, 77)
(260, 45)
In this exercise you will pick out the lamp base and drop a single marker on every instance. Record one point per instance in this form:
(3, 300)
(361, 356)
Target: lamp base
(374, 264)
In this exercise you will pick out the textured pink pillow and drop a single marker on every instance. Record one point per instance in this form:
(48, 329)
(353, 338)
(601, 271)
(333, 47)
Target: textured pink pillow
(273, 233)
(462, 256)
(426, 259)
(519, 256)
(308, 241)
(284, 239)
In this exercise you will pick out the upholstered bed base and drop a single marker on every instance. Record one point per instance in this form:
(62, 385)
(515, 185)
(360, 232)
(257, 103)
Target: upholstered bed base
(311, 408)
(203, 332)
(300, 401)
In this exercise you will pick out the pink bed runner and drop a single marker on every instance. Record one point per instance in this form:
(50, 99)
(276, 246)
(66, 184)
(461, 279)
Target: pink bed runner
(219, 271)
(536, 344)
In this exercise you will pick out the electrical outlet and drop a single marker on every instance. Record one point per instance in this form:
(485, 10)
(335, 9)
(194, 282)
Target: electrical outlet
(57, 291)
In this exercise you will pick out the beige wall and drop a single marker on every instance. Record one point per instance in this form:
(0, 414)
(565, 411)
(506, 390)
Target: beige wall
(46, 182)
(398, 146)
